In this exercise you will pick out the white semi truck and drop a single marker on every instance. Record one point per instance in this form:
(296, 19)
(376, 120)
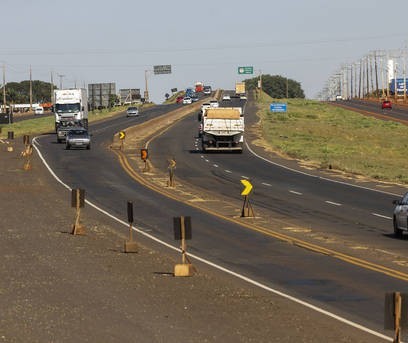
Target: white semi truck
(70, 109)
(222, 129)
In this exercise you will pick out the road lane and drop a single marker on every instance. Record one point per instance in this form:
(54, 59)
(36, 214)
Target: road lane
(354, 292)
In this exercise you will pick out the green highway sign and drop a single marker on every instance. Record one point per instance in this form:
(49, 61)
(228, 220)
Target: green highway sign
(162, 69)
(246, 70)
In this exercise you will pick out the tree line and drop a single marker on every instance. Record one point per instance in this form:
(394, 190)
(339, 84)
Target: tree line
(19, 92)
(277, 86)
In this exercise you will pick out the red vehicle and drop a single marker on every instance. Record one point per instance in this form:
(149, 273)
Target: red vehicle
(199, 87)
(386, 104)
(179, 99)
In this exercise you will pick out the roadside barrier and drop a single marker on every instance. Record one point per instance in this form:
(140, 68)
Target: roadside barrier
(182, 232)
(78, 202)
(130, 244)
(10, 141)
(27, 152)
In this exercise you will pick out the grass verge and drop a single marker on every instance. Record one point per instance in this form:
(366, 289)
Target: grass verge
(329, 137)
(43, 125)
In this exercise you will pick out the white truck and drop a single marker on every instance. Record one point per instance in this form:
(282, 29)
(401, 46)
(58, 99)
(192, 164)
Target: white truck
(70, 109)
(222, 129)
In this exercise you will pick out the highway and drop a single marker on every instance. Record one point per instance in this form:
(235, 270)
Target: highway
(349, 213)
(398, 113)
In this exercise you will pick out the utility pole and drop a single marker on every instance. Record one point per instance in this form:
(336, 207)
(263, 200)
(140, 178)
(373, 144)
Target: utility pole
(287, 88)
(146, 92)
(60, 77)
(371, 73)
(395, 82)
(367, 80)
(351, 81)
(355, 80)
(376, 74)
(388, 77)
(52, 89)
(4, 89)
(405, 78)
(359, 83)
(382, 76)
(31, 90)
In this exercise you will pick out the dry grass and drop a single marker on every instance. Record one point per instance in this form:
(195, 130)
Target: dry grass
(327, 136)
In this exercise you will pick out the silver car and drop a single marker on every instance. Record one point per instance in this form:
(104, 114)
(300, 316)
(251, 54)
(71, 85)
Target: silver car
(132, 111)
(78, 138)
(400, 217)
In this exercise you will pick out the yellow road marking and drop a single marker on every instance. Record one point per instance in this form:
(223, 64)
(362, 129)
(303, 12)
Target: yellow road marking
(291, 240)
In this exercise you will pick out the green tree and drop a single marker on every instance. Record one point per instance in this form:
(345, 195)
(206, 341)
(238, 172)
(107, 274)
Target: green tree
(19, 92)
(276, 86)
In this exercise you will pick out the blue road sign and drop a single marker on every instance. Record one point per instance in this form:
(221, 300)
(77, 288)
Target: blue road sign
(278, 107)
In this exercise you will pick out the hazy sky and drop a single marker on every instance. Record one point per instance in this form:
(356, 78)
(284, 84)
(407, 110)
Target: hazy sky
(92, 41)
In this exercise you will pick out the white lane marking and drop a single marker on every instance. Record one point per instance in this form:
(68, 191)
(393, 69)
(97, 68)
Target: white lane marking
(215, 165)
(297, 193)
(216, 266)
(266, 184)
(332, 203)
(206, 160)
(228, 171)
(317, 177)
(202, 156)
(381, 216)
(245, 177)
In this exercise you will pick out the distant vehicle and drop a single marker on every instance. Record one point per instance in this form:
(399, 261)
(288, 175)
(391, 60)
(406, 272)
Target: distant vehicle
(187, 100)
(39, 110)
(64, 127)
(400, 217)
(199, 87)
(78, 138)
(214, 103)
(243, 97)
(71, 105)
(189, 92)
(239, 88)
(205, 105)
(339, 98)
(132, 111)
(386, 104)
(194, 97)
(207, 90)
(226, 97)
(179, 99)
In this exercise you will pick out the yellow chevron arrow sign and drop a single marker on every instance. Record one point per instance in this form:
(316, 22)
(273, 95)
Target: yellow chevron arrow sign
(122, 135)
(248, 187)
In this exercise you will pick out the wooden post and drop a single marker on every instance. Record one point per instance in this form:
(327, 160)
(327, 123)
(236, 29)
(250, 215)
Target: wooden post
(78, 229)
(183, 240)
(397, 317)
(130, 245)
(185, 268)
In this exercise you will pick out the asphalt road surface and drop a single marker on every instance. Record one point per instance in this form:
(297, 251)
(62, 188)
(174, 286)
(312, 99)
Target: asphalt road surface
(345, 289)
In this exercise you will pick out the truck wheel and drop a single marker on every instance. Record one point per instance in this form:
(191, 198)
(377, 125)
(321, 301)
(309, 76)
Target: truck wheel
(88, 147)
(67, 147)
(58, 140)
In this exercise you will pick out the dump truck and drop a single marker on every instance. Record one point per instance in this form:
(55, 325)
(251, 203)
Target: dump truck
(240, 88)
(222, 129)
